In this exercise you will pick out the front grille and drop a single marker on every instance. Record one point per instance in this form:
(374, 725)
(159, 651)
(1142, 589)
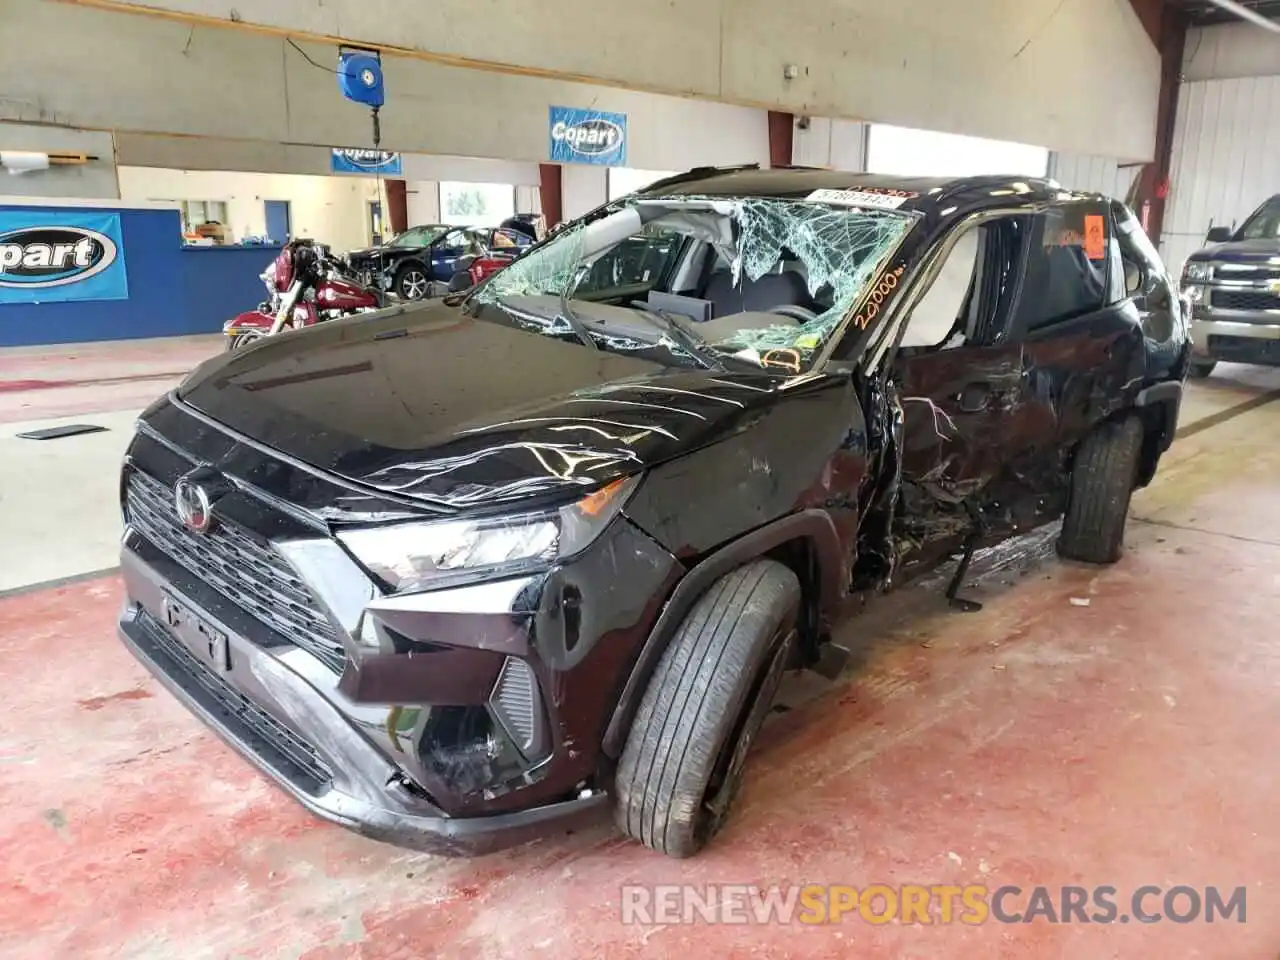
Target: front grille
(245, 571)
(1245, 300)
(245, 714)
(1246, 271)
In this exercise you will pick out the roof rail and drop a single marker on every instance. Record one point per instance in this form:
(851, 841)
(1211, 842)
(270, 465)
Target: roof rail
(698, 173)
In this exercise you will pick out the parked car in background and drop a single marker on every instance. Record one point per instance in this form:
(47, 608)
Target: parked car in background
(1233, 286)
(423, 261)
(459, 574)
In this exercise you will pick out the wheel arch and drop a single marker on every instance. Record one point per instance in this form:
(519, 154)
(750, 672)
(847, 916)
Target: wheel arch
(807, 542)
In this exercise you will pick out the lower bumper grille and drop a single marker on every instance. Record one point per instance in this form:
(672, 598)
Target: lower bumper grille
(1245, 300)
(1244, 349)
(244, 571)
(244, 715)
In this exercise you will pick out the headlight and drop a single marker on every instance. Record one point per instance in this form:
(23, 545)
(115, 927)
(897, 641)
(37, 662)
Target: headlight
(1195, 272)
(412, 556)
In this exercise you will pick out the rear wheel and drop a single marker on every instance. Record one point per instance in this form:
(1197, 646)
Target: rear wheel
(1102, 481)
(684, 757)
(1199, 369)
(411, 282)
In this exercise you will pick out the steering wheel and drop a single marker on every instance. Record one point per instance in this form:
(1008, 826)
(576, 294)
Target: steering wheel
(794, 311)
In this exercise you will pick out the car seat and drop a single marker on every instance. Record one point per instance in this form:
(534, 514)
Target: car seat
(771, 290)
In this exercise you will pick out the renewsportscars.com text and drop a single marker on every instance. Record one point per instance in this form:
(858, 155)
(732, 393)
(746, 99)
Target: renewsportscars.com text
(928, 904)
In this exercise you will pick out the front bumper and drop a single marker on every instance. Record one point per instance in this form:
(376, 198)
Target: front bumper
(266, 707)
(1236, 336)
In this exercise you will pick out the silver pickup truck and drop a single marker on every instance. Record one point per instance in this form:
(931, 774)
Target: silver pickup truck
(1233, 286)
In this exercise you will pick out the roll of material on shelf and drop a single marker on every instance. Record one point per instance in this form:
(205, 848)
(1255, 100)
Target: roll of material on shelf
(22, 161)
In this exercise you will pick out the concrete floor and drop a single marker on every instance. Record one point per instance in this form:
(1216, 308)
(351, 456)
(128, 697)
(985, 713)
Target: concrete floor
(1041, 741)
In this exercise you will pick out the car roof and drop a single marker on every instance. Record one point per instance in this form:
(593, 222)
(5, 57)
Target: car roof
(929, 194)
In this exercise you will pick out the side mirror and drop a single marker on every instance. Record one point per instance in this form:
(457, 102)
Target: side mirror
(1218, 235)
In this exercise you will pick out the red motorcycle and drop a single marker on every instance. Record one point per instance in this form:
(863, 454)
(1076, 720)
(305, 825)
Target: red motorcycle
(306, 284)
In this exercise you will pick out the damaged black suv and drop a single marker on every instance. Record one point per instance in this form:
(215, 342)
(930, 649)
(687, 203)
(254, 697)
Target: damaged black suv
(462, 573)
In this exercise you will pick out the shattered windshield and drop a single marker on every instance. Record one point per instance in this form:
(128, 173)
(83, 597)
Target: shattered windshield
(763, 280)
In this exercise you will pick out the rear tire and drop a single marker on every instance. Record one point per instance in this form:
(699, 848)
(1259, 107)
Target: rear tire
(1199, 369)
(682, 764)
(1102, 482)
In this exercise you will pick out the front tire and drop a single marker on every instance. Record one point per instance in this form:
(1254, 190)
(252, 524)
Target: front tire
(411, 282)
(683, 761)
(1102, 481)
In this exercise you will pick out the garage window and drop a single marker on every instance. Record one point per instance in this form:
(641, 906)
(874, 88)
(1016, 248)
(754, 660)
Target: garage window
(196, 212)
(476, 204)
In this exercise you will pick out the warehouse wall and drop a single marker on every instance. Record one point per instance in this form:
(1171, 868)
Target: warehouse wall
(94, 179)
(1226, 151)
(92, 68)
(1079, 76)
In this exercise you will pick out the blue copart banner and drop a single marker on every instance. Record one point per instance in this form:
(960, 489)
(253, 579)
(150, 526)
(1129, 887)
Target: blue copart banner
(588, 136)
(366, 162)
(52, 256)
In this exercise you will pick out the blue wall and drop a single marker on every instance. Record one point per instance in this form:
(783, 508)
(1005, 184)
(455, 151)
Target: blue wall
(173, 290)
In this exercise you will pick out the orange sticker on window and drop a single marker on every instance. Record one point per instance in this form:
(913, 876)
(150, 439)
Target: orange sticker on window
(1095, 237)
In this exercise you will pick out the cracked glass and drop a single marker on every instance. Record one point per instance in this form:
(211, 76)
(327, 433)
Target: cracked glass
(825, 254)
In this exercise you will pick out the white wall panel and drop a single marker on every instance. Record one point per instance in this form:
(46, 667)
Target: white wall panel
(838, 144)
(1230, 50)
(1090, 174)
(1226, 158)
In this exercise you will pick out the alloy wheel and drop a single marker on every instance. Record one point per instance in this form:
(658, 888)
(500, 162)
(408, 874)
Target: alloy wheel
(414, 285)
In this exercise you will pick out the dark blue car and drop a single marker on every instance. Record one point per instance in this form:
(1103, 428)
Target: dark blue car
(421, 262)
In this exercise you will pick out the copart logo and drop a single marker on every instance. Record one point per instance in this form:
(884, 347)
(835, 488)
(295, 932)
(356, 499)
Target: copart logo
(368, 159)
(590, 138)
(36, 257)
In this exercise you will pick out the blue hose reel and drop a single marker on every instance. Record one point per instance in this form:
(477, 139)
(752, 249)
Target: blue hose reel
(360, 77)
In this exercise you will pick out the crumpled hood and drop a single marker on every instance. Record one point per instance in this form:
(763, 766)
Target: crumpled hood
(1242, 251)
(431, 404)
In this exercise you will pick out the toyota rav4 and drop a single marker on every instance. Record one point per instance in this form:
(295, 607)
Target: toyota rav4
(462, 573)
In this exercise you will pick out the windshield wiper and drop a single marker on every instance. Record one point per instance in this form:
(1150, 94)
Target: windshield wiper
(576, 325)
(673, 326)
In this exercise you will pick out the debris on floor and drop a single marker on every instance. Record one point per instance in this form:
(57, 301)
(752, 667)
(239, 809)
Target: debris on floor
(1080, 601)
(54, 433)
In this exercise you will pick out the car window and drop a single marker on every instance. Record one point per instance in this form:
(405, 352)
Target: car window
(1263, 223)
(938, 313)
(638, 261)
(1068, 269)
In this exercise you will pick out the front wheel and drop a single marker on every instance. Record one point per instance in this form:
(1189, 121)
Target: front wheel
(1199, 369)
(411, 282)
(1102, 481)
(684, 757)
(245, 338)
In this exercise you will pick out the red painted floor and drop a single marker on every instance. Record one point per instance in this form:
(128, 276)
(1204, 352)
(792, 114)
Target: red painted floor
(1125, 742)
(38, 383)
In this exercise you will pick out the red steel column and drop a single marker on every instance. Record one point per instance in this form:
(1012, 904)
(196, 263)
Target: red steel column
(549, 188)
(781, 134)
(397, 206)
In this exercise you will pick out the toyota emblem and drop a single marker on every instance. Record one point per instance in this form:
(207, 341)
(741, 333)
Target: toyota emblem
(194, 509)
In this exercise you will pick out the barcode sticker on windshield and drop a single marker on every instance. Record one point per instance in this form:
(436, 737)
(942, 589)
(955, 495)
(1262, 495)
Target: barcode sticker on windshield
(862, 198)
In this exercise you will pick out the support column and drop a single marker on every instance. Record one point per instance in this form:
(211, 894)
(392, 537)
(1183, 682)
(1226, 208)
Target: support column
(550, 180)
(781, 138)
(397, 206)
(1166, 25)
